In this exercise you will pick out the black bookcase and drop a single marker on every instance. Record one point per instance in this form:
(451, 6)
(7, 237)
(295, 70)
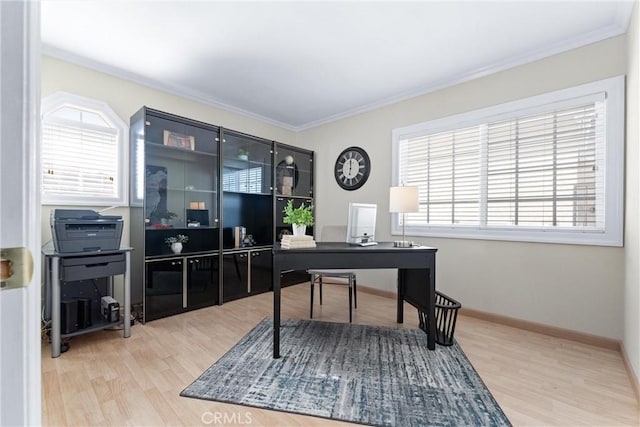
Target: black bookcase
(174, 192)
(223, 190)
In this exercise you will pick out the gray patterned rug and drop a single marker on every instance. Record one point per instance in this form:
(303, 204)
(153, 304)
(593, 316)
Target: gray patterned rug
(362, 374)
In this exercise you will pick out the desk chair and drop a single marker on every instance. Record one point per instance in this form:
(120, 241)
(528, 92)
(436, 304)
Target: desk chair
(334, 233)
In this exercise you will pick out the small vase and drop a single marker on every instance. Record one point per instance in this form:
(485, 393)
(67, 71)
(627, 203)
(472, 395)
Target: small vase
(176, 247)
(299, 229)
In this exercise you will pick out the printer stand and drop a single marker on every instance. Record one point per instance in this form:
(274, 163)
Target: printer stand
(61, 268)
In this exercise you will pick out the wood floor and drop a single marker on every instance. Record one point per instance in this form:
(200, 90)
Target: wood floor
(107, 380)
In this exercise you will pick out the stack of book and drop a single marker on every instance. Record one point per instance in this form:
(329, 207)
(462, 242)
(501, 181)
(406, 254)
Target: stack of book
(295, 242)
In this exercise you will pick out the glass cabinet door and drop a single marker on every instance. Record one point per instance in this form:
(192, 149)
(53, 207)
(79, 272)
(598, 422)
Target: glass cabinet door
(246, 164)
(294, 177)
(185, 135)
(180, 189)
(247, 190)
(180, 182)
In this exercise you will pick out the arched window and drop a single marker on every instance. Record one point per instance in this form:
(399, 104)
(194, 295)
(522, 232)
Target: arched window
(84, 155)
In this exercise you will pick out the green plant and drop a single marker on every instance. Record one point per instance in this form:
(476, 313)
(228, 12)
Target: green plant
(242, 152)
(180, 238)
(302, 215)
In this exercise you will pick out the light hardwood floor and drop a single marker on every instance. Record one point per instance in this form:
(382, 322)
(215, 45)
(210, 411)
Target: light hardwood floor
(107, 380)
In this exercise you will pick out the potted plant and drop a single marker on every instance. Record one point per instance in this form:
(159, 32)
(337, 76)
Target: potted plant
(299, 217)
(175, 242)
(243, 154)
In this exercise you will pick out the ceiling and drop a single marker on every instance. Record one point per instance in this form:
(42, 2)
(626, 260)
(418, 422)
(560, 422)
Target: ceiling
(300, 64)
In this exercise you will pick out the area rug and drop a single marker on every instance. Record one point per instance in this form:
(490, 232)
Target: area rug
(356, 373)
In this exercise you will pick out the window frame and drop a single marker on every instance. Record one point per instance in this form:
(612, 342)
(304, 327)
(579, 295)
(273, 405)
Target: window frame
(612, 235)
(57, 100)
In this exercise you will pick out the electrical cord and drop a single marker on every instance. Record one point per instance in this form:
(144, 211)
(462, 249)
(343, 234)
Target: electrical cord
(95, 285)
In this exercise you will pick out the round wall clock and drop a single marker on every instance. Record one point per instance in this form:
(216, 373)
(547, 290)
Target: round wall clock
(352, 168)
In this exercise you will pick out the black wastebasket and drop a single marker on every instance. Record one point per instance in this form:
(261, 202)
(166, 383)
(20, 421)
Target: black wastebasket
(445, 318)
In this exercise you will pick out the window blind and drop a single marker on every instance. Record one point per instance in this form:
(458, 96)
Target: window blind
(84, 152)
(537, 170)
(79, 159)
(541, 169)
(244, 180)
(446, 167)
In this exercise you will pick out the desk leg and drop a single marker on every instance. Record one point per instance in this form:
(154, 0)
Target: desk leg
(55, 306)
(127, 295)
(418, 286)
(276, 311)
(431, 298)
(400, 310)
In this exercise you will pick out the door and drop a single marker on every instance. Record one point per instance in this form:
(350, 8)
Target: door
(202, 281)
(235, 269)
(261, 271)
(164, 288)
(20, 210)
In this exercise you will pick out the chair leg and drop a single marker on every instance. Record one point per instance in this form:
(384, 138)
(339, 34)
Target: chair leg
(355, 293)
(350, 297)
(313, 280)
(320, 287)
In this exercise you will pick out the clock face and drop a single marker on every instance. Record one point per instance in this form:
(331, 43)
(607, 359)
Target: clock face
(352, 168)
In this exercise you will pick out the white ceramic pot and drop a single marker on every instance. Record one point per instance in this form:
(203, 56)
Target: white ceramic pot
(299, 229)
(176, 247)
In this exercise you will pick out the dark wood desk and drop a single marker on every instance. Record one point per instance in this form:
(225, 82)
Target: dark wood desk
(416, 274)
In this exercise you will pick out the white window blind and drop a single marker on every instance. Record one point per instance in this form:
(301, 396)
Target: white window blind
(243, 180)
(541, 169)
(446, 167)
(82, 154)
(547, 168)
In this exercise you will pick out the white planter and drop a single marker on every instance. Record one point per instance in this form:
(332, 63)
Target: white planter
(299, 229)
(176, 247)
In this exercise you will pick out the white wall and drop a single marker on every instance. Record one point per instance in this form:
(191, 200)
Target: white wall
(576, 287)
(631, 340)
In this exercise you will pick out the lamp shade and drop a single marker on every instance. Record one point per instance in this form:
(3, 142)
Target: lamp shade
(403, 199)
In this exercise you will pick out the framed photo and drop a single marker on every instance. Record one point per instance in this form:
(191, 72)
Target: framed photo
(173, 139)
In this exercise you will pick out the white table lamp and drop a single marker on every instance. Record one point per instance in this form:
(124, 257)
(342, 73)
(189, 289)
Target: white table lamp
(403, 200)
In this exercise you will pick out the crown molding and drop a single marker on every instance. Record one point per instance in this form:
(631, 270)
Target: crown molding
(526, 57)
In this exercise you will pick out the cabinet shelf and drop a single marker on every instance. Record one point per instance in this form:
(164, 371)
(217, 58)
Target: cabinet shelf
(247, 248)
(281, 197)
(249, 192)
(192, 190)
(153, 148)
(239, 164)
(159, 227)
